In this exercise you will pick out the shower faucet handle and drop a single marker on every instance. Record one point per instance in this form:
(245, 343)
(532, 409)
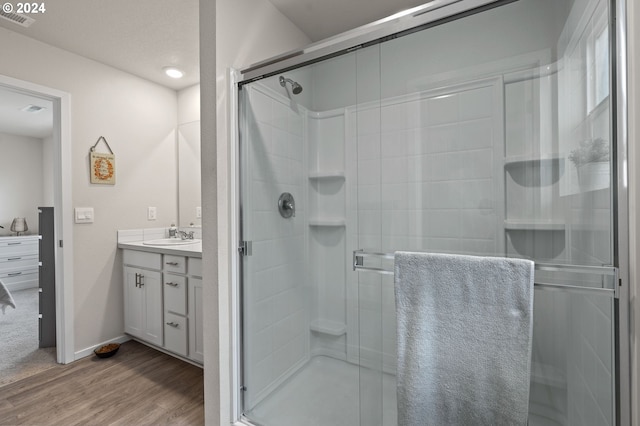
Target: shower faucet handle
(286, 205)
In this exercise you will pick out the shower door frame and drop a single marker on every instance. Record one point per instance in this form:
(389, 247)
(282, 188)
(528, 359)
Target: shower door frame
(417, 19)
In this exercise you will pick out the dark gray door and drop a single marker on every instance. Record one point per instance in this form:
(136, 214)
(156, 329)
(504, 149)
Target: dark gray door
(47, 277)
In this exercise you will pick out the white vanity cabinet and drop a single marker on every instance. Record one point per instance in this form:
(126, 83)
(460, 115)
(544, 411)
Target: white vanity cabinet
(19, 261)
(169, 315)
(143, 296)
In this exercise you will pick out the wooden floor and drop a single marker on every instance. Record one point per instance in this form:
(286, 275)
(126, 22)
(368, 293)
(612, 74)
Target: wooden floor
(137, 386)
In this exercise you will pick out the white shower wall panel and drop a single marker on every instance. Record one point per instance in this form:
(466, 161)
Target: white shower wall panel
(277, 340)
(429, 179)
(590, 364)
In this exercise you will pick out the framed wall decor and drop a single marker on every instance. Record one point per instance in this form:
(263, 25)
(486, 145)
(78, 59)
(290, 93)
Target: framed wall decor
(102, 164)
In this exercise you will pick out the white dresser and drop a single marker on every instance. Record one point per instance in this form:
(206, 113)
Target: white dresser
(19, 261)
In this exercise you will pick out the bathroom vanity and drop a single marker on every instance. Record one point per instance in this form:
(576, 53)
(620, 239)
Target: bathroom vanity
(163, 297)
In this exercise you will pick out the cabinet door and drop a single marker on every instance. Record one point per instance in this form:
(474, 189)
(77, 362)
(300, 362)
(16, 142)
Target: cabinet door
(133, 303)
(143, 304)
(196, 345)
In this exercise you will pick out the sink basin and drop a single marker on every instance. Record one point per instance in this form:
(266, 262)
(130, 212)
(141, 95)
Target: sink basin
(170, 242)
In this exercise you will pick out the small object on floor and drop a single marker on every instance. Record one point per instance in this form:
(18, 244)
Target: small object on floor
(107, 350)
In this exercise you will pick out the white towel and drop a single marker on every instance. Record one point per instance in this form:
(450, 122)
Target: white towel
(5, 298)
(464, 329)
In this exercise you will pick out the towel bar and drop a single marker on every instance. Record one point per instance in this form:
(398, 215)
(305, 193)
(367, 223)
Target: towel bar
(548, 276)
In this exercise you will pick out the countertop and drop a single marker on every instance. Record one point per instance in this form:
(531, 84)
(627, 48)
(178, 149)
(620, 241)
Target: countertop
(190, 250)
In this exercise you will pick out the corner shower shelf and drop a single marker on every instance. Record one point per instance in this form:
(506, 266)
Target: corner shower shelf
(523, 225)
(327, 221)
(522, 160)
(332, 328)
(328, 174)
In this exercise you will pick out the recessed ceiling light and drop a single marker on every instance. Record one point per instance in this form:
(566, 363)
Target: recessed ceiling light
(173, 72)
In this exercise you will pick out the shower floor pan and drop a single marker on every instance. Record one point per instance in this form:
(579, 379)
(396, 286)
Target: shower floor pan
(325, 393)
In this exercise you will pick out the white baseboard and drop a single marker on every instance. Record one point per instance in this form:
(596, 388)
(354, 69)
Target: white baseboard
(89, 351)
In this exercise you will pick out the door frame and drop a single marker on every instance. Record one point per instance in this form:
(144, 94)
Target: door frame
(62, 209)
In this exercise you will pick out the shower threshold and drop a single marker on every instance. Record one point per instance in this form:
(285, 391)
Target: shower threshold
(325, 393)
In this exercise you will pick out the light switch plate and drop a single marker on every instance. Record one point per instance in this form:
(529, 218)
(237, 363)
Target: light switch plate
(84, 214)
(151, 213)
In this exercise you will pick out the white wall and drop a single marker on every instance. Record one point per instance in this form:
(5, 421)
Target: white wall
(21, 178)
(189, 104)
(232, 34)
(138, 119)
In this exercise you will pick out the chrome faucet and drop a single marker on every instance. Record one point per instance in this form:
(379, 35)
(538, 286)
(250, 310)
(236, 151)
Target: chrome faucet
(185, 235)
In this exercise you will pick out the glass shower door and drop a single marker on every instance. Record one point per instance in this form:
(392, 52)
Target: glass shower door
(468, 137)
(274, 291)
(300, 355)
(478, 145)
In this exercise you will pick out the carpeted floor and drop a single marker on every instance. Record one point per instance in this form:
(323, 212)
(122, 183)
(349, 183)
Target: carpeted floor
(20, 356)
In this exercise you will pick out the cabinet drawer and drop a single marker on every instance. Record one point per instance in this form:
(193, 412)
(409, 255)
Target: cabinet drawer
(13, 247)
(19, 262)
(175, 334)
(142, 259)
(175, 294)
(195, 267)
(20, 280)
(177, 264)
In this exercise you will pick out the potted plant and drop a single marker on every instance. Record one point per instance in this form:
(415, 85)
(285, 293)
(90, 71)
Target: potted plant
(591, 159)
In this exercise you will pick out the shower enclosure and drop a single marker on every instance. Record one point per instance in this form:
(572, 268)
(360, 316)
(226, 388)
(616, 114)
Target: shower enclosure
(475, 127)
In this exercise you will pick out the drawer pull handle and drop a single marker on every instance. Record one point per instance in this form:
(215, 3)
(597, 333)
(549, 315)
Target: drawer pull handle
(173, 324)
(14, 244)
(173, 284)
(14, 258)
(14, 274)
(172, 263)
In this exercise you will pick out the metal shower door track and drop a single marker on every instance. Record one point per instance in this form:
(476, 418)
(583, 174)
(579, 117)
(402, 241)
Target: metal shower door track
(410, 20)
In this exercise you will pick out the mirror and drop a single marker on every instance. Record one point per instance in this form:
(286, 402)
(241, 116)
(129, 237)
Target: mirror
(189, 210)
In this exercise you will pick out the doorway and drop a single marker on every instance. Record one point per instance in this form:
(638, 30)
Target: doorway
(60, 164)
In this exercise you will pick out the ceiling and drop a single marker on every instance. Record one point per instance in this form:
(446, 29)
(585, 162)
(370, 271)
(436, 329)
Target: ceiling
(15, 121)
(142, 37)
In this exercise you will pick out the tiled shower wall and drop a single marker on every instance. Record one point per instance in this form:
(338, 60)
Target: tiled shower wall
(429, 178)
(277, 328)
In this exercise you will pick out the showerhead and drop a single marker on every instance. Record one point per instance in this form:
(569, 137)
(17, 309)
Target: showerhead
(295, 87)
